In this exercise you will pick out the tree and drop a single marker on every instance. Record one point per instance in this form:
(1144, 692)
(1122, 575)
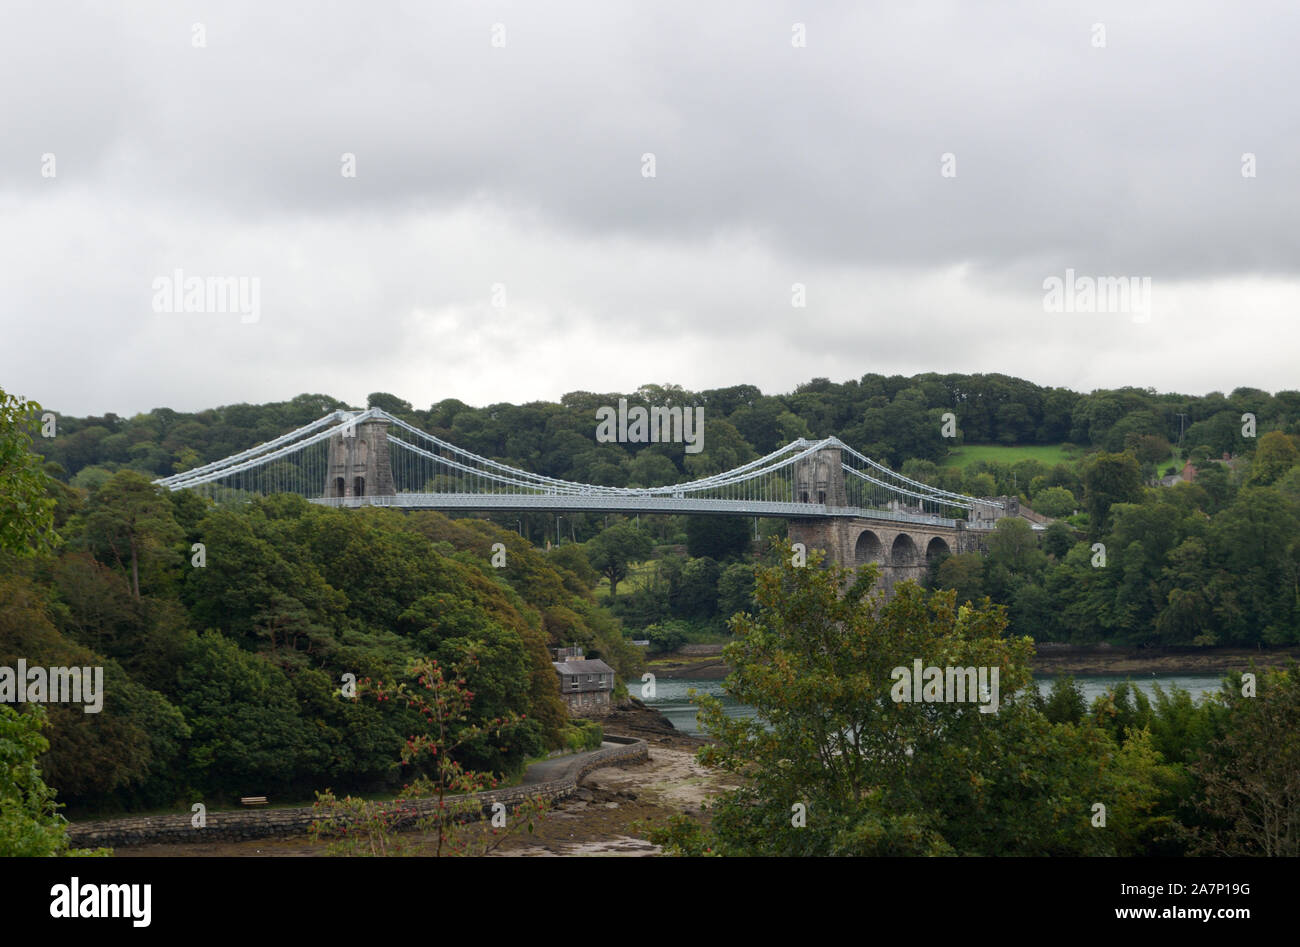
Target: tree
(870, 772)
(1275, 455)
(695, 592)
(736, 589)
(446, 789)
(1065, 703)
(651, 469)
(1109, 479)
(1013, 545)
(723, 449)
(571, 557)
(1058, 539)
(1055, 502)
(27, 512)
(1250, 777)
(390, 403)
(243, 713)
(30, 824)
(981, 485)
(718, 537)
(614, 549)
(129, 522)
(964, 573)
(1149, 448)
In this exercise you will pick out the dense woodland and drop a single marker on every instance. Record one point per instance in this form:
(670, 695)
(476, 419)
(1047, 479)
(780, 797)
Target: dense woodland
(894, 420)
(223, 679)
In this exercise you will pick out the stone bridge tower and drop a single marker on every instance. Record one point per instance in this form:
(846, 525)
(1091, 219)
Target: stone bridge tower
(819, 478)
(359, 465)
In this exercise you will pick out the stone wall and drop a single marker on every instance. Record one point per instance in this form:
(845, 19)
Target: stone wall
(853, 541)
(287, 823)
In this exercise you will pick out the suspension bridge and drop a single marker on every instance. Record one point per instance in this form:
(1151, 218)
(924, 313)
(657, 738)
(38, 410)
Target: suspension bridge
(835, 497)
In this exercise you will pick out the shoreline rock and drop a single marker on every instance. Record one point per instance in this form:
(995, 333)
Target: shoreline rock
(1065, 659)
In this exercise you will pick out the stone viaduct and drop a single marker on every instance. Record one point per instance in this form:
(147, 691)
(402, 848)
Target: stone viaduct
(901, 541)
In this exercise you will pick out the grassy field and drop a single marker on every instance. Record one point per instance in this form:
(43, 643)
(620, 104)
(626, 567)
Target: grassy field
(639, 575)
(1049, 454)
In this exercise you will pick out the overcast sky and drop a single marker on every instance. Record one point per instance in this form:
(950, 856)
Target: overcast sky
(501, 145)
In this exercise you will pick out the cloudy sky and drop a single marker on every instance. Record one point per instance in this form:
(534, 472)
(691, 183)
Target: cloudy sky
(920, 169)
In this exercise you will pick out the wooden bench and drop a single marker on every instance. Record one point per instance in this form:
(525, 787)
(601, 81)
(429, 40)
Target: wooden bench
(253, 800)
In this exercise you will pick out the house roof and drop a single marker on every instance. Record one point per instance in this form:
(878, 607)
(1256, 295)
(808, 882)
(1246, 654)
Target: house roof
(593, 666)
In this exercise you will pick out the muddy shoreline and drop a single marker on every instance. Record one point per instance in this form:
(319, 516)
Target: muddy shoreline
(1055, 659)
(606, 816)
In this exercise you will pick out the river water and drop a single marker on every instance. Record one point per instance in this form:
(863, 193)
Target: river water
(672, 700)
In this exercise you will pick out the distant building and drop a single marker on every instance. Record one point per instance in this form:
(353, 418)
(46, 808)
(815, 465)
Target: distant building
(585, 685)
(1186, 475)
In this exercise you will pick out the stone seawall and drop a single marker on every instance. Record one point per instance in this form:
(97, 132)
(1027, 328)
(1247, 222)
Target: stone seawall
(287, 823)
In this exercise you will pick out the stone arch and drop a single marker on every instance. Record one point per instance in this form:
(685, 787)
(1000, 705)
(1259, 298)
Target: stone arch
(358, 486)
(340, 487)
(868, 548)
(903, 552)
(936, 548)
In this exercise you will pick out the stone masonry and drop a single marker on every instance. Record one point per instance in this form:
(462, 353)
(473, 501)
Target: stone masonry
(902, 549)
(288, 823)
(359, 464)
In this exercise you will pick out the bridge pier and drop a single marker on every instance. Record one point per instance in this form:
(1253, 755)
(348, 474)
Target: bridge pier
(903, 550)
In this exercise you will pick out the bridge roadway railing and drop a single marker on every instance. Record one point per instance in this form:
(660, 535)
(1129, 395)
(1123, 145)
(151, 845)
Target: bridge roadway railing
(508, 502)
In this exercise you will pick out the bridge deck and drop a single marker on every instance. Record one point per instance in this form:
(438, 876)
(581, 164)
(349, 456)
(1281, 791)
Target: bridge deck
(516, 503)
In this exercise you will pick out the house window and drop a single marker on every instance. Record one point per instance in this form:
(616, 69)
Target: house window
(821, 496)
(359, 486)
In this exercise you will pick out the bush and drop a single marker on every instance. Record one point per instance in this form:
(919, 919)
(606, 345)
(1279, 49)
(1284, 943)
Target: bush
(667, 637)
(582, 735)
(1055, 502)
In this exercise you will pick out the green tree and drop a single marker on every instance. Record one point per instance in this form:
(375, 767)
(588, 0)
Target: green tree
(1065, 703)
(1249, 779)
(441, 799)
(1058, 539)
(1109, 479)
(718, 537)
(1275, 455)
(1055, 502)
(614, 549)
(1014, 546)
(27, 511)
(963, 573)
(30, 824)
(247, 735)
(128, 522)
(736, 589)
(870, 773)
(695, 593)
